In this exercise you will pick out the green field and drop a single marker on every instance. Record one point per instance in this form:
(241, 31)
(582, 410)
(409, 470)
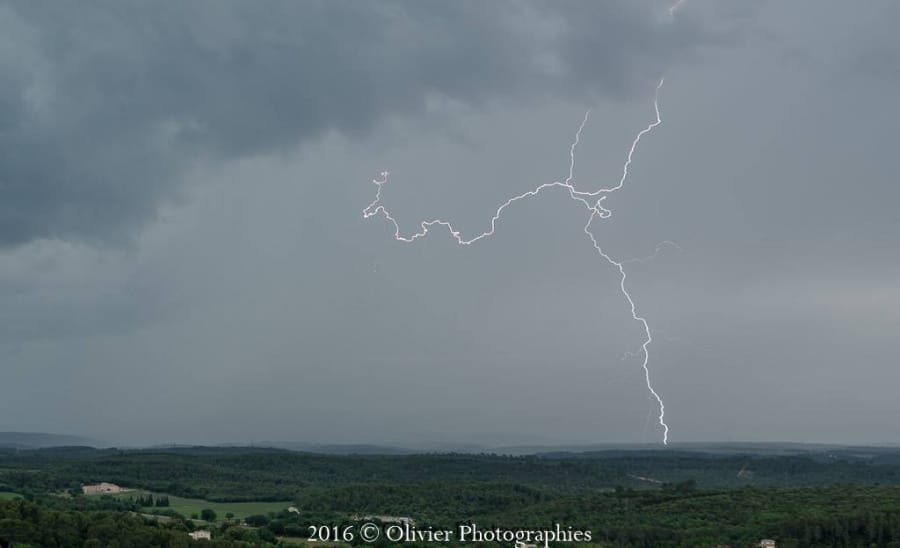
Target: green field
(6, 495)
(187, 507)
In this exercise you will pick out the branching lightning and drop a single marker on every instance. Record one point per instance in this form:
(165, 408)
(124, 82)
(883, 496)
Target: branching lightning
(592, 201)
(656, 253)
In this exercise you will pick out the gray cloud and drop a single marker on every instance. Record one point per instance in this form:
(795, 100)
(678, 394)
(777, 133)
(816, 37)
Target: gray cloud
(261, 305)
(104, 103)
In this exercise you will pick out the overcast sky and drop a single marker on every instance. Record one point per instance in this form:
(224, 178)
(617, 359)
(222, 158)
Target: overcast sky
(183, 256)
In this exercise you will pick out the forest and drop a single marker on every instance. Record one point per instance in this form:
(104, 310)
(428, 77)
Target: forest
(626, 498)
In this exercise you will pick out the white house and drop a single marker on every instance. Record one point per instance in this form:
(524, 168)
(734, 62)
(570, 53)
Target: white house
(402, 520)
(200, 534)
(101, 487)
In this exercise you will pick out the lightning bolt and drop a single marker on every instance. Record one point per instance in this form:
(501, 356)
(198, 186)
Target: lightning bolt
(592, 201)
(603, 213)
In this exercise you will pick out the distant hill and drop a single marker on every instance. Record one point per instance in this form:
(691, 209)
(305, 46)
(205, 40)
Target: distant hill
(337, 449)
(817, 450)
(40, 440)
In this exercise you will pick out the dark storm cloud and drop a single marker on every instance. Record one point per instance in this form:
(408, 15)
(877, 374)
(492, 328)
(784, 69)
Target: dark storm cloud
(103, 103)
(261, 301)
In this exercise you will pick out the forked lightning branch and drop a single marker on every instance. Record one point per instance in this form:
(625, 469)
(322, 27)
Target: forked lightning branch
(593, 204)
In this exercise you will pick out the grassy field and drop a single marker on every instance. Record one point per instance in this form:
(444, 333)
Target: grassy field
(6, 495)
(187, 507)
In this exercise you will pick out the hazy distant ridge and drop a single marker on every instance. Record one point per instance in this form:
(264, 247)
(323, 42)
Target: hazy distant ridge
(40, 440)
